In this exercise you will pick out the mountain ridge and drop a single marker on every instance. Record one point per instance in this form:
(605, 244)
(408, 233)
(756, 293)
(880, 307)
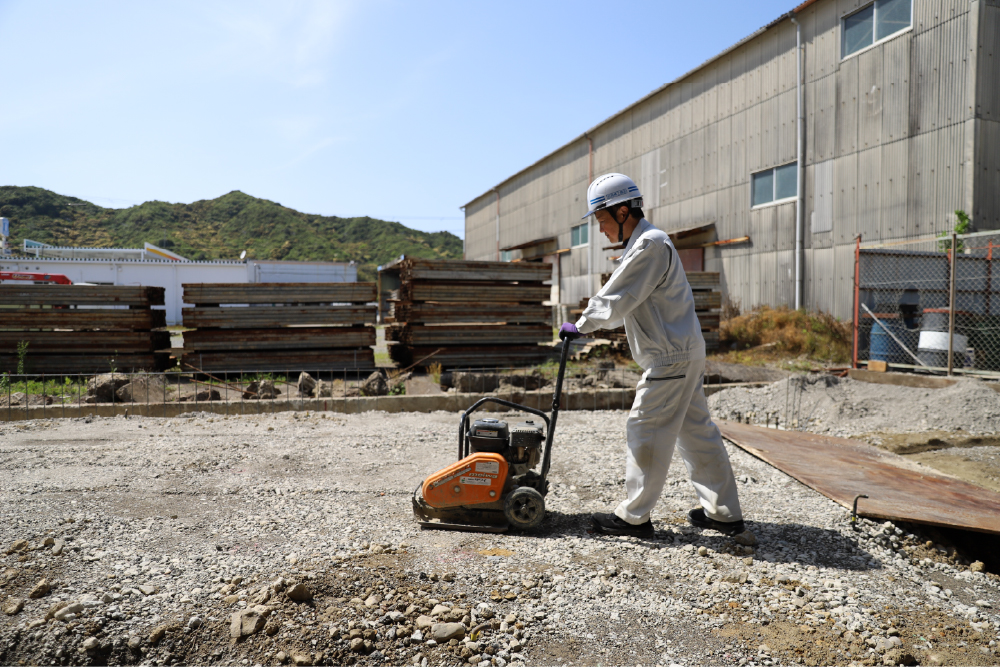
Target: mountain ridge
(219, 228)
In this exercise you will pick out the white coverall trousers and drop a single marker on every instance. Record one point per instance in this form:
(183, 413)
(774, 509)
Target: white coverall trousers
(670, 407)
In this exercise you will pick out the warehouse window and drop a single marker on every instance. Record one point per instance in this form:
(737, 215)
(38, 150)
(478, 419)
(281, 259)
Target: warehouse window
(506, 255)
(581, 235)
(774, 185)
(878, 21)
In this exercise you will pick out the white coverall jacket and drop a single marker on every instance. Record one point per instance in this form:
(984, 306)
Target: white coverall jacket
(650, 293)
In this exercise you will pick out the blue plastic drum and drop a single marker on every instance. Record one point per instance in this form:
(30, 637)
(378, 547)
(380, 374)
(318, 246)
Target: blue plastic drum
(883, 347)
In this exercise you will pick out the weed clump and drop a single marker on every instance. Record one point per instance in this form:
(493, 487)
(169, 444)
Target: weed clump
(766, 335)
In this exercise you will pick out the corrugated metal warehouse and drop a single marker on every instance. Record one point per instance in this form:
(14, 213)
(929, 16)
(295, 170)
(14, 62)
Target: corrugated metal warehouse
(900, 121)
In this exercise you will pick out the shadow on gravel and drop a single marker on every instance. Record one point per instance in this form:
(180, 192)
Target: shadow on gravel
(809, 545)
(776, 542)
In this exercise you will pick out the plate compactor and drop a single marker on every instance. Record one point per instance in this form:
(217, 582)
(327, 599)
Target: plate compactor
(493, 486)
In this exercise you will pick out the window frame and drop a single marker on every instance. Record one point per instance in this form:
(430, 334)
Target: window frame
(583, 225)
(774, 186)
(875, 42)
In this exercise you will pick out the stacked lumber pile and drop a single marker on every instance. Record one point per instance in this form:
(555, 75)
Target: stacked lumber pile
(475, 313)
(707, 302)
(83, 328)
(279, 326)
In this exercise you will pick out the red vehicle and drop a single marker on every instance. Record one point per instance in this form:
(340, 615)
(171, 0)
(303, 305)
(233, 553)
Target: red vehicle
(54, 278)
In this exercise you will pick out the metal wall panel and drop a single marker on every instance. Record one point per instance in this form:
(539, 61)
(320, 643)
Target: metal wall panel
(786, 59)
(687, 125)
(480, 224)
(724, 88)
(822, 197)
(949, 177)
(711, 148)
(870, 91)
(669, 184)
(845, 201)
(784, 226)
(896, 91)
(649, 178)
(821, 277)
(686, 172)
(926, 14)
(769, 65)
(822, 116)
(738, 76)
(741, 168)
(823, 49)
(951, 100)
(753, 62)
(987, 210)
(753, 128)
(724, 137)
(766, 291)
(739, 205)
(698, 111)
(764, 228)
(641, 142)
(988, 66)
(893, 209)
(869, 193)
(699, 150)
(843, 308)
(770, 119)
(924, 81)
(784, 278)
(847, 108)
(922, 182)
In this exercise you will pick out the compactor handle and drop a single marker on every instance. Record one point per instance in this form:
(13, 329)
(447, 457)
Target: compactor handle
(556, 396)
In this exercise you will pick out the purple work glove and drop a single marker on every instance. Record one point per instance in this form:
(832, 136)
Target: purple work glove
(569, 330)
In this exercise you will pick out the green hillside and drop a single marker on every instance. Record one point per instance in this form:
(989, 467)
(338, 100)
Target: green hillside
(219, 229)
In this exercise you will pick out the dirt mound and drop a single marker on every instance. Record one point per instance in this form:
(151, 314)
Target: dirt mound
(846, 407)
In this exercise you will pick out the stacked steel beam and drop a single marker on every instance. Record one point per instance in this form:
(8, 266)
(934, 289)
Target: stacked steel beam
(279, 326)
(464, 313)
(82, 328)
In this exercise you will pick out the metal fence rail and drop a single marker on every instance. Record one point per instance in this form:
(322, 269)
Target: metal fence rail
(931, 305)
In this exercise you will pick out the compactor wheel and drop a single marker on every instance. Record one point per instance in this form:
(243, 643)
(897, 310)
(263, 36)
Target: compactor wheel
(524, 508)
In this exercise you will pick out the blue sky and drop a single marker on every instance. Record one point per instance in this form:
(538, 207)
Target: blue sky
(398, 110)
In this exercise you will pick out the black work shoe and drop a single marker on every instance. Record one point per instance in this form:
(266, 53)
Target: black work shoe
(697, 518)
(611, 524)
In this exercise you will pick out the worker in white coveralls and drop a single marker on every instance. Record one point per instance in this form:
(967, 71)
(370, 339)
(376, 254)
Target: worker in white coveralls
(650, 293)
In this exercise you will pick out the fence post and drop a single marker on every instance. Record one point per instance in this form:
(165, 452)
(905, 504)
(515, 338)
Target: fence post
(951, 303)
(857, 305)
(989, 276)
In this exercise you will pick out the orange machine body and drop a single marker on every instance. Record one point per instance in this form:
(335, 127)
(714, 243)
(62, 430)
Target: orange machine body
(477, 479)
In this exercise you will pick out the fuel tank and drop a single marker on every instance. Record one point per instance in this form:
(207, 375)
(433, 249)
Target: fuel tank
(476, 479)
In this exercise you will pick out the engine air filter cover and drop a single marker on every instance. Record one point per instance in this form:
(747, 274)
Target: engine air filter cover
(526, 434)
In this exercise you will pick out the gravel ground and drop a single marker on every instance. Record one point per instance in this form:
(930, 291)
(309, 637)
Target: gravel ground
(153, 535)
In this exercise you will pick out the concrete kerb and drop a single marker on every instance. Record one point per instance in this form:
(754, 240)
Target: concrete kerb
(595, 399)
(601, 399)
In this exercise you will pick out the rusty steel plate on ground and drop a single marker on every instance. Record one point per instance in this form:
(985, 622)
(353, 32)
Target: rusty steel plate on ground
(843, 469)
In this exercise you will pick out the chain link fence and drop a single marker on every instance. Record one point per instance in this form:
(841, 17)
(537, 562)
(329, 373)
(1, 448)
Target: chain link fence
(929, 305)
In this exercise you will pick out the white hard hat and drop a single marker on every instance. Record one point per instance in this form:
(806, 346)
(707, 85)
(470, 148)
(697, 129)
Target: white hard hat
(611, 189)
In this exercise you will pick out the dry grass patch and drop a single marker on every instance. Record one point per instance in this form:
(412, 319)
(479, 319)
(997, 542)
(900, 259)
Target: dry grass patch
(790, 338)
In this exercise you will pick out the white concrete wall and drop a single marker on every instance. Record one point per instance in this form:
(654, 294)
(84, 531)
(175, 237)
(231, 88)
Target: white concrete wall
(172, 275)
